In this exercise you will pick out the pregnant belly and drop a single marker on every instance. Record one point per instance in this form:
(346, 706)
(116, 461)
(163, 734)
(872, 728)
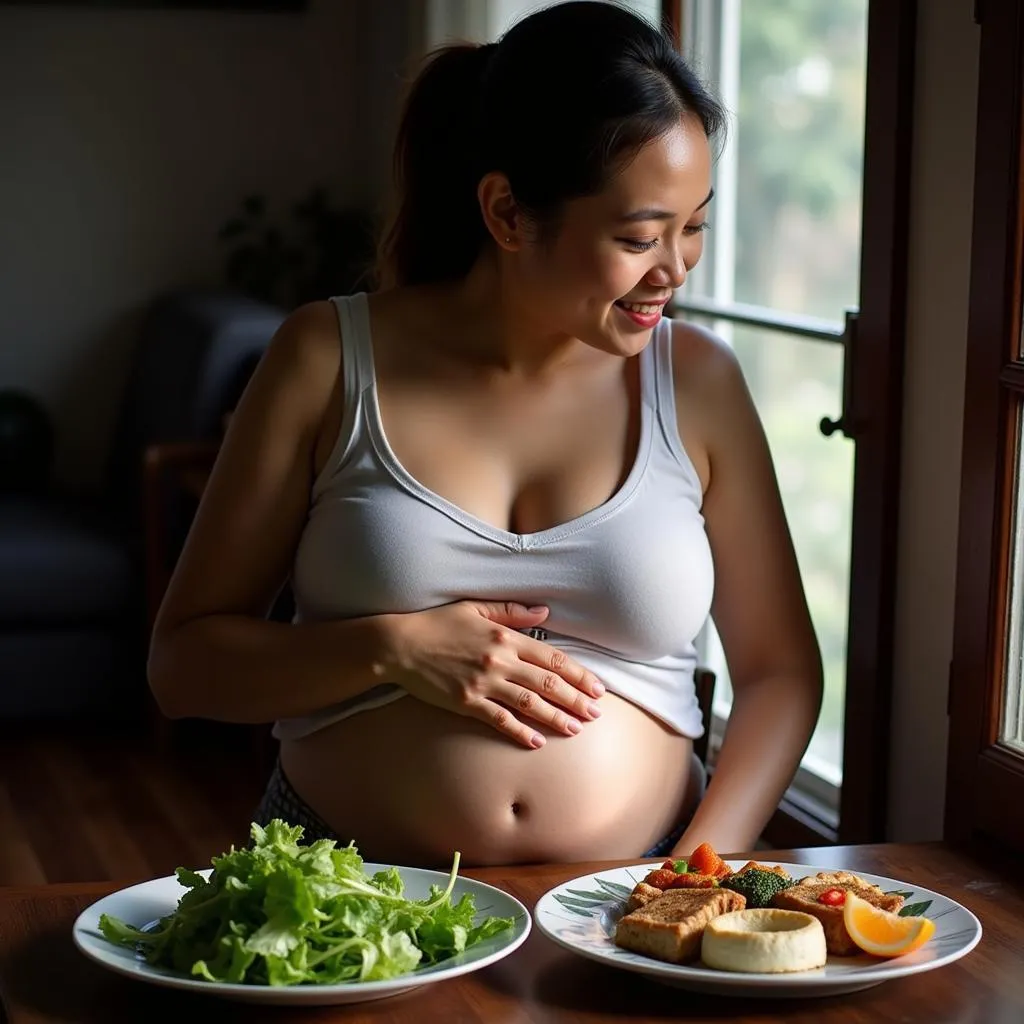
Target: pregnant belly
(410, 783)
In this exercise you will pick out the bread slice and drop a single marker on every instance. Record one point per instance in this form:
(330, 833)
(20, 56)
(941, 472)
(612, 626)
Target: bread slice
(641, 895)
(671, 926)
(804, 897)
(777, 869)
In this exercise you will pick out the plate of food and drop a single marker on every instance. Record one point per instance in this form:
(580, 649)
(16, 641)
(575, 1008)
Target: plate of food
(287, 923)
(756, 929)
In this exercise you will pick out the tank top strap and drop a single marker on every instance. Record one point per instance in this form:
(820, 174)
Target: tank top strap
(357, 376)
(665, 391)
(649, 374)
(356, 352)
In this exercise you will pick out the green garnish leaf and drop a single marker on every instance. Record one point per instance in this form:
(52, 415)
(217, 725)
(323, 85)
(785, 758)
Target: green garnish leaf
(680, 867)
(915, 909)
(281, 913)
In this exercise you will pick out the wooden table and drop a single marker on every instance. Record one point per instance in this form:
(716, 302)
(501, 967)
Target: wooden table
(44, 979)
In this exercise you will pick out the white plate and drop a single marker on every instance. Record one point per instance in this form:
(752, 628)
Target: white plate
(581, 916)
(144, 904)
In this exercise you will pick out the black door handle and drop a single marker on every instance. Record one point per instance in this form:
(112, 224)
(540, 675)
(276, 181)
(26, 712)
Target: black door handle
(845, 422)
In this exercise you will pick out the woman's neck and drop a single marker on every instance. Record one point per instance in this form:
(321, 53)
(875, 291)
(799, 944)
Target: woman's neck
(489, 320)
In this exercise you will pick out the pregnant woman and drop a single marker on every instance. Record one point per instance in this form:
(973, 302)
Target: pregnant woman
(507, 493)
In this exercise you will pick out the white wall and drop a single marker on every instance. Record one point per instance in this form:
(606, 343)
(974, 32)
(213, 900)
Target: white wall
(941, 205)
(127, 138)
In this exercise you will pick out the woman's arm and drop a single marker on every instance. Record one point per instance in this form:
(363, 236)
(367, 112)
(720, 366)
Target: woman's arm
(212, 653)
(759, 607)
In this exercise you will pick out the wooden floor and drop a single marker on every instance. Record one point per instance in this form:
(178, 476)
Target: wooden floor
(82, 801)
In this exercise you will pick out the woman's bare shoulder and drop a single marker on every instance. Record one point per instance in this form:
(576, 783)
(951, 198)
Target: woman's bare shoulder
(302, 364)
(701, 359)
(710, 389)
(295, 380)
(309, 337)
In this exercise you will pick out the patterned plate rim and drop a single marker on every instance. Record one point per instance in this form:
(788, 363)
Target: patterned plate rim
(582, 899)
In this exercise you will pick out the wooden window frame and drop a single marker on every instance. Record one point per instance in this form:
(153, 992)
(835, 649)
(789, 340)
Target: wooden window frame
(984, 779)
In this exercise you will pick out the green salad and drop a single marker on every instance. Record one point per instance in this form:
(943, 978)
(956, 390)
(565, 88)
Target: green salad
(282, 913)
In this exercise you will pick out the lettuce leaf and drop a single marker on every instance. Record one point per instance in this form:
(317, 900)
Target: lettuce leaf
(282, 913)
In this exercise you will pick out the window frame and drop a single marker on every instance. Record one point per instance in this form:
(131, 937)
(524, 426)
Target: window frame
(871, 416)
(984, 777)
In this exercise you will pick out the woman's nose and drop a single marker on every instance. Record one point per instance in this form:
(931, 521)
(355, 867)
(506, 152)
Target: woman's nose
(670, 271)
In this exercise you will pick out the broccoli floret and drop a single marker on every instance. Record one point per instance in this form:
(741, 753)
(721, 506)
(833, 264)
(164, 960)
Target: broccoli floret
(757, 886)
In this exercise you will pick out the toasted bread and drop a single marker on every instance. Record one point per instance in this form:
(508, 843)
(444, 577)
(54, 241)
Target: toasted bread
(778, 869)
(641, 895)
(804, 897)
(671, 927)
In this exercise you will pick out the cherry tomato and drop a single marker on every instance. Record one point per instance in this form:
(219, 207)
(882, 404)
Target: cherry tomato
(833, 897)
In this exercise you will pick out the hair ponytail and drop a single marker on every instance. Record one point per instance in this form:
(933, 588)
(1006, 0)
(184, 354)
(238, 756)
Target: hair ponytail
(436, 231)
(568, 93)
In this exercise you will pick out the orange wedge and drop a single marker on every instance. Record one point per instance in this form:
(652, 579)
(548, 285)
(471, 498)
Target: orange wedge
(882, 933)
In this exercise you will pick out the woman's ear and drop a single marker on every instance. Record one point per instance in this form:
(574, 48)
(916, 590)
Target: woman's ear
(499, 210)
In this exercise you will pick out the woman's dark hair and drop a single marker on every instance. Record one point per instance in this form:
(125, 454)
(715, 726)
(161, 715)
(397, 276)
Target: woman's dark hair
(556, 105)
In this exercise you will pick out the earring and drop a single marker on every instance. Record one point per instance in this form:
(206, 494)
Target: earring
(508, 239)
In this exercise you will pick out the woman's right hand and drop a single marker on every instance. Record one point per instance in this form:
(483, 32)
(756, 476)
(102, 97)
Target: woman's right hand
(469, 658)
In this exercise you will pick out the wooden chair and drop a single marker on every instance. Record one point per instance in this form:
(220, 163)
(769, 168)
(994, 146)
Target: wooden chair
(170, 472)
(704, 682)
(167, 473)
(174, 478)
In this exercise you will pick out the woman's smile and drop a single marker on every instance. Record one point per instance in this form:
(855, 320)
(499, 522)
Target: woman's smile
(644, 314)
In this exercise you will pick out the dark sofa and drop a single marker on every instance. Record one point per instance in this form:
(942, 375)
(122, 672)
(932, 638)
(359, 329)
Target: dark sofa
(73, 612)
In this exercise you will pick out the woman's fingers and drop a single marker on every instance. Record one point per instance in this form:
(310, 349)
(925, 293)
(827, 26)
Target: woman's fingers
(541, 700)
(544, 656)
(520, 682)
(508, 703)
(550, 687)
(500, 717)
(531, 704)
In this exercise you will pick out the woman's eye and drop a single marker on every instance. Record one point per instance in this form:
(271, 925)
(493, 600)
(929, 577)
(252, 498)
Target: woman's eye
(640, 245)
(636, 245)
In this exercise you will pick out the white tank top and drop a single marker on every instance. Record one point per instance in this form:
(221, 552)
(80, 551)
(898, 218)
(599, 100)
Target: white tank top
(628, 584)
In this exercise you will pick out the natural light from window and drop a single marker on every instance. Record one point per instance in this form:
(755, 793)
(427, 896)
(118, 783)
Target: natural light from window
(1012, 718)
(786, 236)
(502, 13)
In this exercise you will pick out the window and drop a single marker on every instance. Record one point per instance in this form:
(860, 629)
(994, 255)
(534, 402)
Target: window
(1011, 719)
(780, 270)
(502, 13)
(985, 775)
(486, 20)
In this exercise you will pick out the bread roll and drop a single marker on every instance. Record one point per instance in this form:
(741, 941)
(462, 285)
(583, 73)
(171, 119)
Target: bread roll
(764, 942)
